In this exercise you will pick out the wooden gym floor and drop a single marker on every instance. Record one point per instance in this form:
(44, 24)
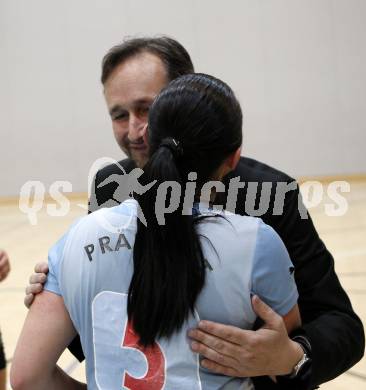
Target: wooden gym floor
(26, 244)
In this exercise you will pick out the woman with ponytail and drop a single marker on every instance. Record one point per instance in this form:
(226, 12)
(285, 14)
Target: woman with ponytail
(134, 279)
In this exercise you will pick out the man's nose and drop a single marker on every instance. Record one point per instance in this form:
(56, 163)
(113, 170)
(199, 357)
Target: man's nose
(137, 128)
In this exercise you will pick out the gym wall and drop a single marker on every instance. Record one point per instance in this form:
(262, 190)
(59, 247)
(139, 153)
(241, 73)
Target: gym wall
(298, 67)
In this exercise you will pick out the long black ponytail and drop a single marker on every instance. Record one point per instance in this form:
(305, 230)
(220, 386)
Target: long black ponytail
(194, 124)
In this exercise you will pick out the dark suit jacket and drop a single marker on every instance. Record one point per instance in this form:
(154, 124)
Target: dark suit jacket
(329, 322)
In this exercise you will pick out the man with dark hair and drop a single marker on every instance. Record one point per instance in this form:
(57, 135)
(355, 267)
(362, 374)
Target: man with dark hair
(332, 335)
(174, 56)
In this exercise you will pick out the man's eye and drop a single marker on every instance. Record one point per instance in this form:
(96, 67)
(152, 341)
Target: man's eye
(120, 117)
(144, 110)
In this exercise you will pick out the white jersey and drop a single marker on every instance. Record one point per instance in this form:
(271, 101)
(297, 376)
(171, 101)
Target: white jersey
(91, 268)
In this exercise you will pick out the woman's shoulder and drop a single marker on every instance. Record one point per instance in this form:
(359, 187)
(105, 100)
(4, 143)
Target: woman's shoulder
(230, 224)
(103, 222)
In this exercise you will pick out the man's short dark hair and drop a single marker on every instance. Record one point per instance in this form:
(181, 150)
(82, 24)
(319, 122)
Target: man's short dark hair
(174, 56)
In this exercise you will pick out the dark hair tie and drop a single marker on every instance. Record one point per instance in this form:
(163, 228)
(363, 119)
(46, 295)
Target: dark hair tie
(173, 145)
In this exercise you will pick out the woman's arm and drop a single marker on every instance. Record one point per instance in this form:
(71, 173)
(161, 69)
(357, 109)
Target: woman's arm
(47, 331)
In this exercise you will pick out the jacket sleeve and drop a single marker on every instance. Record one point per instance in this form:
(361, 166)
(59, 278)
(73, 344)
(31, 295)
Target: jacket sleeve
(335, 332)
(100, 195)
(106, 182)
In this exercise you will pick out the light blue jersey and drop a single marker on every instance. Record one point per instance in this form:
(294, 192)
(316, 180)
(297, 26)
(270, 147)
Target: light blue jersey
(91, 268)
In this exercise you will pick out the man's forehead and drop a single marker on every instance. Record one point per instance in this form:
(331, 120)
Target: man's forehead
(143, 62)
(138, 71)
(136, 80)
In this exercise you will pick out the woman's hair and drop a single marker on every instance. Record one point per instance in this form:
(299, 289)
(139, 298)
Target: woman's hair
(195, 123)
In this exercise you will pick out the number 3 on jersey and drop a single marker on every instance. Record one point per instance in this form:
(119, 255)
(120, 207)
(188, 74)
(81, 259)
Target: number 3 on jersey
(155, 375)
(121, 364)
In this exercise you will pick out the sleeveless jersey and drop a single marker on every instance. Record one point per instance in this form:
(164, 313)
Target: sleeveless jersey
(91, 268)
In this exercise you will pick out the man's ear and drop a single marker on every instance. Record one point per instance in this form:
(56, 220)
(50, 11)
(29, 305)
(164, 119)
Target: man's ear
(232, 161)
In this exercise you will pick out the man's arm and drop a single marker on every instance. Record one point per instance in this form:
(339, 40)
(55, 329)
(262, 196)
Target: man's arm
(235, 352)
(100, 196)
(334, 330)
(46, 333)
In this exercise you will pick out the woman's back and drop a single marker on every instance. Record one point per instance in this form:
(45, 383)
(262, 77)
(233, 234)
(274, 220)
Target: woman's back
(93, 265)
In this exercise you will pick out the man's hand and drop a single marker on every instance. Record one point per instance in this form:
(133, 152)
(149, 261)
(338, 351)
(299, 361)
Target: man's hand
(36, 282)
(4, 265)
(235, 352)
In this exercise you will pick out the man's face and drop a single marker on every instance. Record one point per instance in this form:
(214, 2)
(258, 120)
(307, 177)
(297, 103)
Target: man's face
(129, 92)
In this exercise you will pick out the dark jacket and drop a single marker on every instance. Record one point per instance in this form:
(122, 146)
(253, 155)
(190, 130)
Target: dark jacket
(329, 322)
